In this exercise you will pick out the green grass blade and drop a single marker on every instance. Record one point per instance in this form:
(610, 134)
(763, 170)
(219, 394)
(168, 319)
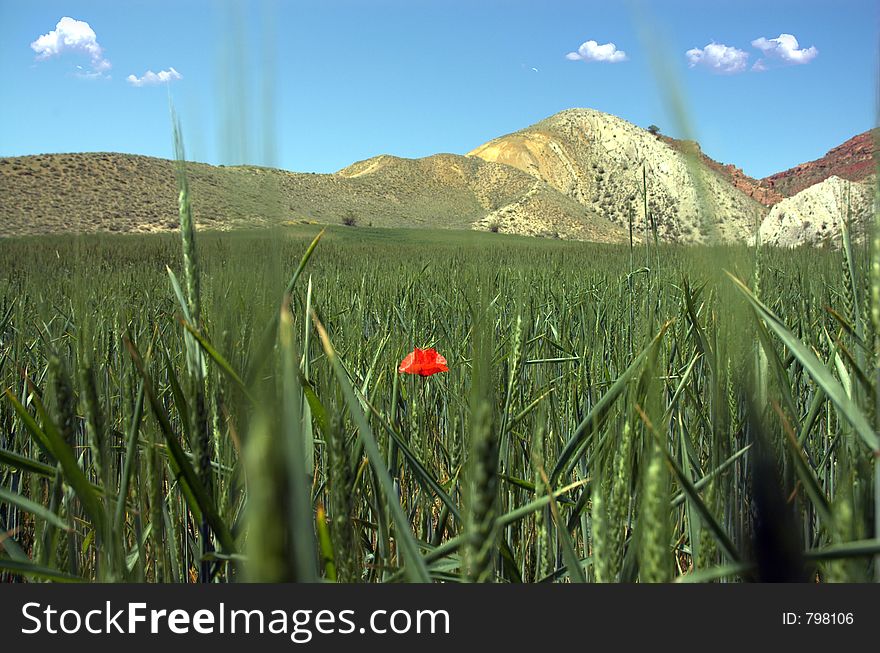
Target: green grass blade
(218, 358)
(415, 567)
(31, 425)
(598, 412)
(74, 476)
(23, 503)
(303, 262)
(815, 368)
(31, 570)
(128, 465)
(197, 497)
(572, 562)
(293, 449)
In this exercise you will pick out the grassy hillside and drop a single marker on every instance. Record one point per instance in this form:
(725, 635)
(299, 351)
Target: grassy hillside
(106, 192)
(87, 193)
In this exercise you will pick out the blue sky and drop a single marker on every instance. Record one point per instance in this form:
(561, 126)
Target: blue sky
(316, 85)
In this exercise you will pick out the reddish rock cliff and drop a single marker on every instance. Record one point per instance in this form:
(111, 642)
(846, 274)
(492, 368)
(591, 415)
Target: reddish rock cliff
(853, 161)
(754, 188)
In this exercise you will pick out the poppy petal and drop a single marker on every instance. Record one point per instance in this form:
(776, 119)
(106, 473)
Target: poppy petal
(406, 363)
(423, 362)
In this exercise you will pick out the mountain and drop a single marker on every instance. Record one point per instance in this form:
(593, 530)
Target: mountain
(603, 162)
(82, 193)
(754, 188)
(821, 194)
(854, 160)
(579, 174)
(491, 196)
(815, 215)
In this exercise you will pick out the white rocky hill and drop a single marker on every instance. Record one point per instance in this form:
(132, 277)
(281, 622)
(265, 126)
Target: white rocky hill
(815, 215)
(600, 161)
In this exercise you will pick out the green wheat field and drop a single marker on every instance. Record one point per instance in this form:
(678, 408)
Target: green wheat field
(221, 407)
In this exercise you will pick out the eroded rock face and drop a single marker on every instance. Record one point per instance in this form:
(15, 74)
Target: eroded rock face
(600, 161)
(757, 189)
(854, 160)
(753, 188)
(815, 215)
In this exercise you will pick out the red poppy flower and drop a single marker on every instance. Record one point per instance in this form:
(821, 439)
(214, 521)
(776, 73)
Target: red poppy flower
(423, 362)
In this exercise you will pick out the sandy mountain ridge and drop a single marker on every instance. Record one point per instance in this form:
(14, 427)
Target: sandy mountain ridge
(87, 193)
(577, 175)
(507, 199)
(603, 162)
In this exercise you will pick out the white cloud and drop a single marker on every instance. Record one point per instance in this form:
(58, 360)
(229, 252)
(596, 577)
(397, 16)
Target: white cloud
(150, 78)
(72, 36)
(786, 48)
(719, 58)
(592, 51)
(760, 66)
